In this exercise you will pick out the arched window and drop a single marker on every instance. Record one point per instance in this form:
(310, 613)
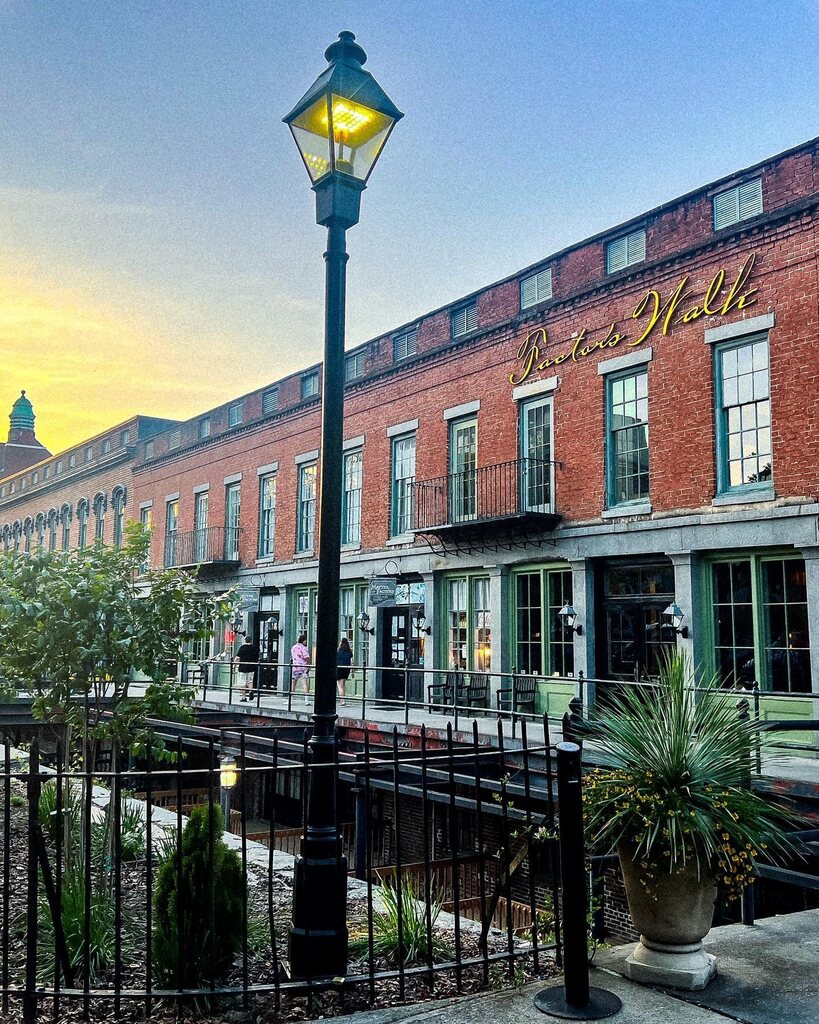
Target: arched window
(28, 532)
(65, 522)
(52, 529)
(118, 498)
(82, 521)
(16, 534)
(100, 507)
(39, 529)
(6, 537)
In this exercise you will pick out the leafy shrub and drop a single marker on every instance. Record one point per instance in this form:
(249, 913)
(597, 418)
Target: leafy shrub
(131, 835)
(72, 808)
(388, 941)
(199, 953)
(101, 948)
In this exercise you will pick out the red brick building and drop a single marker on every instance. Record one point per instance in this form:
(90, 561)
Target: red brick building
(627, 428)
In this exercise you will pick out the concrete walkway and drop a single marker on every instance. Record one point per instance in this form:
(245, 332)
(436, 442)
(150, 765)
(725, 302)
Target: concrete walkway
(767, 974)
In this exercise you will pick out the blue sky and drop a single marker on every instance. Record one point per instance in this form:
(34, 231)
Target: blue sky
(157, 236)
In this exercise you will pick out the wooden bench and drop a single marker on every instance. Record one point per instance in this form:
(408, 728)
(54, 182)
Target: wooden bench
(519, 696)
(473, 690)
(441, 694)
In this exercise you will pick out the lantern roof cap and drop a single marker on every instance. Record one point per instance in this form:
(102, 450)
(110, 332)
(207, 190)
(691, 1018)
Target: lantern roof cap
(346, 77)
(22, 413)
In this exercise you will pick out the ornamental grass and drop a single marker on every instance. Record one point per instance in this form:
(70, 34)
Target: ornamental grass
(677, 787)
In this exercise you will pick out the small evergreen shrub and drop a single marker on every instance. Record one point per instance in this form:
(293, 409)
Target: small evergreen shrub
(198, 954)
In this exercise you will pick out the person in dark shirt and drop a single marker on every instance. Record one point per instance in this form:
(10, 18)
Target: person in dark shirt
(344, 660)
(247, 658)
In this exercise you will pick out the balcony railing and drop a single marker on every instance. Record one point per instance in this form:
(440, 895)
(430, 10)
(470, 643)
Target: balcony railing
(205, 546)
(522, 488)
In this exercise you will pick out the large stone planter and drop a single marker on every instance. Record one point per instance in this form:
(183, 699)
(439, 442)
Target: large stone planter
(673, 915)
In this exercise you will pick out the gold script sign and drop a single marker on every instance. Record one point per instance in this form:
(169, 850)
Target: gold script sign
(654, 313)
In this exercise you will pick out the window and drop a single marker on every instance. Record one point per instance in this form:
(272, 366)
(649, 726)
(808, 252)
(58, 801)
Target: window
(146, 522)
(463, 470)
(464, 319)
(149, 450)
(2, 492)
(124, 437)
(100, 506)
(118, 501)
(270, 401)
(23, 482)
(72, 460)
(235, 414)
(267, 515)
(351, 498)
(625, 251)
(536, 288)
(203, 428)
(743, 415)
(171, 527)
(39, 526)
(200, 526)
(65, 522)
(174, 439)
(627, 441)
(536, 454)
(34, 478)
(46, 472)
(354, 366)
(59, 468)
(106, 446)
(88, 454)
(82, 522)
(233, 512)
(306, 524)
(309, 384)
(760, 611)
(403, 482)
(405, 344)
(543, 645)
(52, 530)
(738, 203)
(469, 630)
(305, 604)
(352, 602)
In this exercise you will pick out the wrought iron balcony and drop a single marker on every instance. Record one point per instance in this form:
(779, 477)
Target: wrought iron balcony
(517, 496)
(207, 546)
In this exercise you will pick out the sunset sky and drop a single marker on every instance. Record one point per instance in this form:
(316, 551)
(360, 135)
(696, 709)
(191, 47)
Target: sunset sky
(158, 248)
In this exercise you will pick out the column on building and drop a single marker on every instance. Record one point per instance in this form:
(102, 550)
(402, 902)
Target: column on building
(432, 610)
(501, 638)
(811, 556)
(584, 641)
(686, 571)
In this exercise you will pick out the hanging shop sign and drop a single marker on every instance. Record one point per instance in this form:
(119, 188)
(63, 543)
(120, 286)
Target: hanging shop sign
(653, 313)
(382, 591)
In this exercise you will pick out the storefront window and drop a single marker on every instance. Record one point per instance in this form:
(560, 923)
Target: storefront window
(761, 623)
(539, 651)
(482, 625)
(636, 638)
(352, 601)
(458, 628)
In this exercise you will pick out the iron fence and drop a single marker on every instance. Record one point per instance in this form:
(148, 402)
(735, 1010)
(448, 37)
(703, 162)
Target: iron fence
(89, 858)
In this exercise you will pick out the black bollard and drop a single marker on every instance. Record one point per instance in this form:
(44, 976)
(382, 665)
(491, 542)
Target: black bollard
(574, 999)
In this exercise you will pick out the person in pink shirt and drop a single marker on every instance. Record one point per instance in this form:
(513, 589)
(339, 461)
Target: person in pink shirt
(300, 657)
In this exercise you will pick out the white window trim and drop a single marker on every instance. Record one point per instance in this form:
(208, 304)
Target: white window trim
(353, 443)
(307, 457)
(268, 470)
(201, 488)
(617, 363)
(466, 409)
(234, 478)
(752, 325)
(407, 427)
(145, 504)
(171, 497)
(535, 387)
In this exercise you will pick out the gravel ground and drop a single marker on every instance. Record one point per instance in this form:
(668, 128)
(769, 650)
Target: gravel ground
(261, 1007)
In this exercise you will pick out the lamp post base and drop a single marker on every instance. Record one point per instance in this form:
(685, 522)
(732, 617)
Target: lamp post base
(317, 940)
(601, 1004)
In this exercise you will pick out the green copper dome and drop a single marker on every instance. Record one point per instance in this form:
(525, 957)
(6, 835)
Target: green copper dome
(22, 413)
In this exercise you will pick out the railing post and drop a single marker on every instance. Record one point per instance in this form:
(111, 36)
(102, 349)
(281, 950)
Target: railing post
(575, 999)
(30, 994)
(362, 824)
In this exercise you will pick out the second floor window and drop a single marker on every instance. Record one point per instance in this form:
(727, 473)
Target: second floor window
(744, 415)
(536, 454)
(463, 470)
(627, 450)
(403, 482)
(351, 498)
(171, 527)
(233, 512)
(267, 515)
(82, 523)
(306, 524)
(200, 526)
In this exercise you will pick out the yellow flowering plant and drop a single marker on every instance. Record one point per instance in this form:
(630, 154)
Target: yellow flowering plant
(676, 786)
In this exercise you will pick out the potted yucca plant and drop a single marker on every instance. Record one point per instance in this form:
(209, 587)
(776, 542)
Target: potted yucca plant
(675, 804)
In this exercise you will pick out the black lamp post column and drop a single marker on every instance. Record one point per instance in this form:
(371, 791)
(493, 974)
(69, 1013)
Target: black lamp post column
(340, 126)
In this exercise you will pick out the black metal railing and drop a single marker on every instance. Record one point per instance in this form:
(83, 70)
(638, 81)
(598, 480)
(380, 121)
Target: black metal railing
(500, 491)
(92, 860)
(206, 544)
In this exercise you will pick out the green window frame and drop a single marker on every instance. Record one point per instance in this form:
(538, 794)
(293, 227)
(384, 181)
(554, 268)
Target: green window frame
(536, 451)
(352, 602)
(267, 515)
(743, 415)
(306, 517)
(468, 622)
(403, 481)
(233, 518)
(463, 469)
(542, 644)
(627, 439)
(351, 498)
(759, 629)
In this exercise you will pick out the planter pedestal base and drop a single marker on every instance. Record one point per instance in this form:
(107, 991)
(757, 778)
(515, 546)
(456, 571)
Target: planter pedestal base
(687, 967)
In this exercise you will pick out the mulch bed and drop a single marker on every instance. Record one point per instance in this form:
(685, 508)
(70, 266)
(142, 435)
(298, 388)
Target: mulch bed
(260, 1007)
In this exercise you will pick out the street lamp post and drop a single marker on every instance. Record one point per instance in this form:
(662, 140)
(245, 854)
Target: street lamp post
(340, 126)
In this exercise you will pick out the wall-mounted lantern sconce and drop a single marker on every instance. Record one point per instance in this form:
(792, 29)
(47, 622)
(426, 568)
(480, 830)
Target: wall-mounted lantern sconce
(420, 621)
(568, 616)
(364, 624)
(227, 773)
(673, 617)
